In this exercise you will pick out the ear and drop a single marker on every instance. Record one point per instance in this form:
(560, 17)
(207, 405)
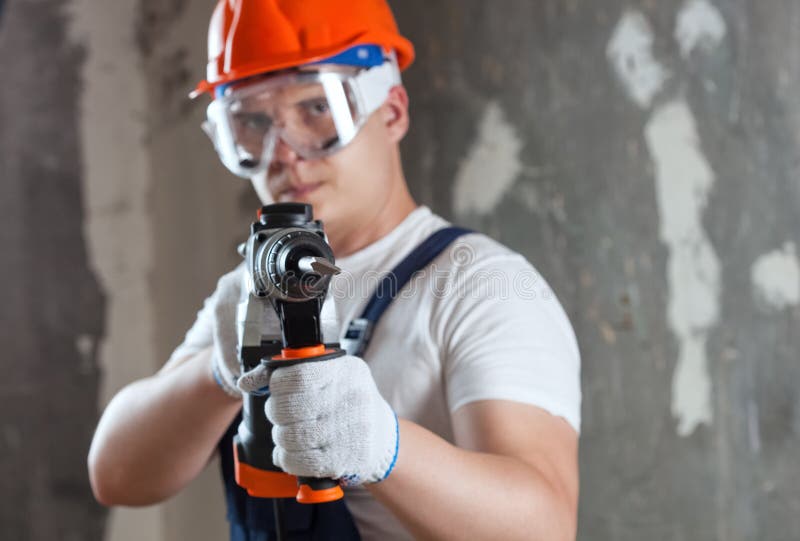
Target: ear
(395, 113)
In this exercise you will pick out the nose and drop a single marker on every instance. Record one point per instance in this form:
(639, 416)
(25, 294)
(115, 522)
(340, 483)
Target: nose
(284, 153)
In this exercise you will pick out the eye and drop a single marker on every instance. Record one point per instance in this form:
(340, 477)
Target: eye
(258, 122)
(316, 107)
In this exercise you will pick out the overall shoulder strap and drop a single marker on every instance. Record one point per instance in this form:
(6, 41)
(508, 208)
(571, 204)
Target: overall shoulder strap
(359, 332)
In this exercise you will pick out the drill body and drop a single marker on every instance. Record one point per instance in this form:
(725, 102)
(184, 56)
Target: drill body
(289, 266)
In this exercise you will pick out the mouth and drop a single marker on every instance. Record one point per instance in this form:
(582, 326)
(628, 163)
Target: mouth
(293, 193)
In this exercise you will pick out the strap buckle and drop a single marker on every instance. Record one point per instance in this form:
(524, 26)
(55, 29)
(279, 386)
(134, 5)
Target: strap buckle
(357, 337)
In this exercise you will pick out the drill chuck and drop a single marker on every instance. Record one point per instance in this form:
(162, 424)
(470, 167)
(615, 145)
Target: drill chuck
(292, 264)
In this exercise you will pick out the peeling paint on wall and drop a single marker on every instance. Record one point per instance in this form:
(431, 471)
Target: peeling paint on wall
(630, 52)
(683, 181)
(492, 164)
(776, 278)
(117, 228)
(699, 25)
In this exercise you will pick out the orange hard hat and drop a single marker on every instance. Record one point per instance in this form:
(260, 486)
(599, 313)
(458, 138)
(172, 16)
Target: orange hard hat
(250, 37)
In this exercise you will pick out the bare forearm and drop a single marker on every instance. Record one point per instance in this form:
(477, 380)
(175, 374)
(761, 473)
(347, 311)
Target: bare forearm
(158, 433)
(440, 491)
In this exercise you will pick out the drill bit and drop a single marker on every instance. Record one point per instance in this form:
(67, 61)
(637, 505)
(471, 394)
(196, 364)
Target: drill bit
(318, 265)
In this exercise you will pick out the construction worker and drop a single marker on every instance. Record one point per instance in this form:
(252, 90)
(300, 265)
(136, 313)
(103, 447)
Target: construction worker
(461, 420)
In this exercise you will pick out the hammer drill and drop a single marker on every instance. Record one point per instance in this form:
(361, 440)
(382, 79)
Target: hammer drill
(289, 266)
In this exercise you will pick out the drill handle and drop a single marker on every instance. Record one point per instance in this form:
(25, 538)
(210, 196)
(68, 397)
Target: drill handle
(311, 489)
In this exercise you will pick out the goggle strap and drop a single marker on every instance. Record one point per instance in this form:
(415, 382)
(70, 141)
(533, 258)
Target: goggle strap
(374, 84)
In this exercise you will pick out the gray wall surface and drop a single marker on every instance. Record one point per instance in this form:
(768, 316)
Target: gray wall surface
(643, 155)
(52, 310)
(656, 152)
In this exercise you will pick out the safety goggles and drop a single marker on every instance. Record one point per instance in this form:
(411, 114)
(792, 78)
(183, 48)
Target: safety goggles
(316, 113)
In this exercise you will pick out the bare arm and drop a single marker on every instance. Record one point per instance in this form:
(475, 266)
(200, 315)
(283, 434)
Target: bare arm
(158, 433)
(514, 475)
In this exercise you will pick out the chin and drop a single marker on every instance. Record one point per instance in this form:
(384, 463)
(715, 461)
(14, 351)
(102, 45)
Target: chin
(317, 207)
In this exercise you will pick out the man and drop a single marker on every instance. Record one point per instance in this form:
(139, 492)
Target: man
(462, 420)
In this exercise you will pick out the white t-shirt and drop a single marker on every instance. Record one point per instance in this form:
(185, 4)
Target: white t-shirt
(478, 323)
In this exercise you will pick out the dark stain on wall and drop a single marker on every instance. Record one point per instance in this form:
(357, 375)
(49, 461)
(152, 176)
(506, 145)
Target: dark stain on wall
(51, 314)
(166, 66)
(155, 22)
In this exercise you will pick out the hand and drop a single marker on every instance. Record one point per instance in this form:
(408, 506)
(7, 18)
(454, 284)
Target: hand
(330, 421)
(229, 297)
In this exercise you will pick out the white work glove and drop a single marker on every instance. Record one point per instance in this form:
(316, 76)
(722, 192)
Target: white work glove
(330, 421)
(225, 359)
(231, 290)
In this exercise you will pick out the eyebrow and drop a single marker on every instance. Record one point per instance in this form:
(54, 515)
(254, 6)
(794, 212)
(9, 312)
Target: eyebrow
(307, 101)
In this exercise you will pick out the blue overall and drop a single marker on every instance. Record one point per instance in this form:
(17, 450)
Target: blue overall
(252, 519)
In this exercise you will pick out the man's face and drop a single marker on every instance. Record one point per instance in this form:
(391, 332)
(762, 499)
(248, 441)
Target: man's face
(342, 187)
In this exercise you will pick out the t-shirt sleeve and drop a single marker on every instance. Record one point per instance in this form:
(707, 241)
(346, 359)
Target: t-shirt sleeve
(200, 334)
(506, 337)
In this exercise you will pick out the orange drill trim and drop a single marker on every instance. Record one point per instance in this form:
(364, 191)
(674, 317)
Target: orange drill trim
(301, 353)
(306, 494)
(262, 483)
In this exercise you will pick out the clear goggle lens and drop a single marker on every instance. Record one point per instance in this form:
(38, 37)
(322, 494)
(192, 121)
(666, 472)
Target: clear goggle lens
(315, 113)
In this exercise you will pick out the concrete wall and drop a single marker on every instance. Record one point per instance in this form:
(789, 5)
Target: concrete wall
(52, 313)
(643, 155)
